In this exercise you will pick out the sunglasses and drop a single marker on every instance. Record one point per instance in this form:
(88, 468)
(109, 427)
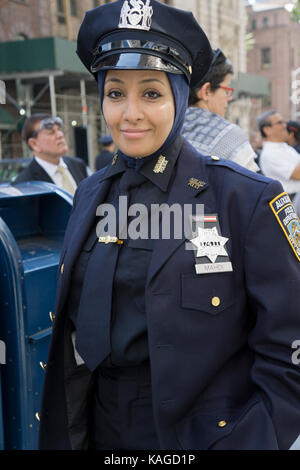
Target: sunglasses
(48, 124)
(281, 122)
(228, 91)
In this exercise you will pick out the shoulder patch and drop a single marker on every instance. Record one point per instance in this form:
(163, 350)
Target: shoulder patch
(288, 220)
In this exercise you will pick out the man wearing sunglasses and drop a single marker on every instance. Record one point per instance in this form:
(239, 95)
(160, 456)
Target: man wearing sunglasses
(278, 160)
(205, 126)
(45, 137)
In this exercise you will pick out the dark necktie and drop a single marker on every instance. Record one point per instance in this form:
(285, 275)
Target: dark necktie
(94, 312)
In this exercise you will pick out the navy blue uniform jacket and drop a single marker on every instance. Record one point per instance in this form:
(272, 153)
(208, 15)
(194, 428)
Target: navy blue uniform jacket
(222, 376)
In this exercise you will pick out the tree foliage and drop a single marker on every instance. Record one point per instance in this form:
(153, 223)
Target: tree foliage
(296, 12)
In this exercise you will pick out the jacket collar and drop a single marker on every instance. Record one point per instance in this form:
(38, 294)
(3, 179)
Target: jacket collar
(158, 170)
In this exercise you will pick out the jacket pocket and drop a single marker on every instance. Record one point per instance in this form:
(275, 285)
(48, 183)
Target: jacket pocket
(210, 293)
(246, 427)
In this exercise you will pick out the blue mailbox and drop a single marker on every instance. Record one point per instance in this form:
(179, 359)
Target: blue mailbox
(33, 218)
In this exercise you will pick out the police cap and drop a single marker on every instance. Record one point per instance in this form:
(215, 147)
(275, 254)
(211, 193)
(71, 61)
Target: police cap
(144, 34)
(105, 140)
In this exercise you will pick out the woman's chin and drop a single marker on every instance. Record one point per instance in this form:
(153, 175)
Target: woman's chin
(135, 151)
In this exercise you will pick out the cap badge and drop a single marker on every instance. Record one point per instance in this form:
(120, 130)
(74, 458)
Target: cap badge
(137, 16)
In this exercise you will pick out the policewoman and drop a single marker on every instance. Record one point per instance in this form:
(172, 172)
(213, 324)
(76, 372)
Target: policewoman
(167, 341)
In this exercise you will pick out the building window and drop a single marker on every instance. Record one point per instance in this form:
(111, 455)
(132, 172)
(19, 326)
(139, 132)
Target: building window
(253, 25)
(73, 7)
(265, 22)
(60, 6)
(61, 15)
(266, 57)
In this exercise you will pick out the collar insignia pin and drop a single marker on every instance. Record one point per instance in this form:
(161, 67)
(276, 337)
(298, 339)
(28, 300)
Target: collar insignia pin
(161, 164)
(114, 160)
(136, 14)
(196, 184)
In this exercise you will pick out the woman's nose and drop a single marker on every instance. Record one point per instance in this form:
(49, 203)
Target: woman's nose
(133, 110)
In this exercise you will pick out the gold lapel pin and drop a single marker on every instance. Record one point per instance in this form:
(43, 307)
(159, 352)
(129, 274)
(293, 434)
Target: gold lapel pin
(161, 164)
(196, 184)
(108, 239)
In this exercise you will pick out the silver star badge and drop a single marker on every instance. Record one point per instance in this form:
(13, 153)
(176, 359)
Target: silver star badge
(210, 244)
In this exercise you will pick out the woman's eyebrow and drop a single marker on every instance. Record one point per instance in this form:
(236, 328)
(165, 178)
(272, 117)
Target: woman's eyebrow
(148, 80)
(117, 80)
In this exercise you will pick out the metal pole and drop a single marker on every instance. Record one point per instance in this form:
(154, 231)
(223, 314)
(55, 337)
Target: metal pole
(83, 103)
(28, 100)
(52, 95)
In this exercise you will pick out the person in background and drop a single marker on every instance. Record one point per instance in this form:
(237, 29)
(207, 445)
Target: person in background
(293, 138)
(278, 160)
(157, 345)
(45, 137)
(205, 126)
(106, 155)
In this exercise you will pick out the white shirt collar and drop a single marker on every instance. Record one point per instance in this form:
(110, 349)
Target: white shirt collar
(50, 168)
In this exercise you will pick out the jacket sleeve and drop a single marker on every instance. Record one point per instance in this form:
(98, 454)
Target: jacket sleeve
(272, 272)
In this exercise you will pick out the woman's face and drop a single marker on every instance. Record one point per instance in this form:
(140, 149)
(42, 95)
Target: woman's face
(218, 100)
(138, 108)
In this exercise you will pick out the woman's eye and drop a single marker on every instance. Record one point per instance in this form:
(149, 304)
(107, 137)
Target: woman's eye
(152, 94)
(114, 94)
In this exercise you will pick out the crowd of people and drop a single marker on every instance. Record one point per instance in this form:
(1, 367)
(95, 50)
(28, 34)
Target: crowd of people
(171, 343)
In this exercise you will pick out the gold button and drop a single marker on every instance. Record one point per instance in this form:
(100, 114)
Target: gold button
(62, 268)
(216, 159)
(52, 317)
(215, 301)
(43, 365)
(222, 424)
(38, 416)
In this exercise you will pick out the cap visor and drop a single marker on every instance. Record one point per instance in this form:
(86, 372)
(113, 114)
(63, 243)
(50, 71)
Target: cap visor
(134, 61)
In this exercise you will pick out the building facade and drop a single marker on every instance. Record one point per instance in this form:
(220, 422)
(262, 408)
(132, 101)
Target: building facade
(224, 22)
(276, 55)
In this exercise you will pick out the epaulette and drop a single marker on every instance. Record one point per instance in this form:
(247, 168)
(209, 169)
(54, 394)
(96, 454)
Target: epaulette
(217, 161)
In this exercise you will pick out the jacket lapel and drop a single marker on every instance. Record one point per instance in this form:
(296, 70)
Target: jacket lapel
(92, 196)
(38, 173)
(190, 186)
